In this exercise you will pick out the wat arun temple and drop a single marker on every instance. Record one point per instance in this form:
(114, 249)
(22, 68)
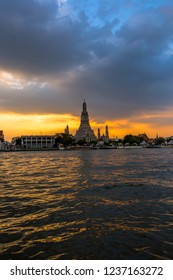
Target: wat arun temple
(85, 131)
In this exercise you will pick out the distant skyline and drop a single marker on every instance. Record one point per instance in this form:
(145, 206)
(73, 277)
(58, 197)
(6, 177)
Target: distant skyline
(118, 55)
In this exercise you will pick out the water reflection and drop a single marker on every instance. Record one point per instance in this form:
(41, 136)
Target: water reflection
(87, 205)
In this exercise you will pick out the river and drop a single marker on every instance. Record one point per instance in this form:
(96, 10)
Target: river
(91, 204)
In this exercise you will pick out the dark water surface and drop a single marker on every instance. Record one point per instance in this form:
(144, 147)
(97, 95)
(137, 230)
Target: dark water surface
(103, 204)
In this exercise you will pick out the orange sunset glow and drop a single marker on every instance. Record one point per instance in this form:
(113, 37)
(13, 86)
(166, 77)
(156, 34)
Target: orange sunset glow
(16, 125)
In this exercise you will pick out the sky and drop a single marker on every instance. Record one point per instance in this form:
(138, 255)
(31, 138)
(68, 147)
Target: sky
(116, 54)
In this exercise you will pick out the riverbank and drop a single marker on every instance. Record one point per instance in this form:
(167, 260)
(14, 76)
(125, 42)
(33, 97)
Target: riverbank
(84, 148)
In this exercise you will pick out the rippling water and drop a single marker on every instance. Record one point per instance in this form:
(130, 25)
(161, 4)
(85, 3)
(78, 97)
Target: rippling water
(103, 204)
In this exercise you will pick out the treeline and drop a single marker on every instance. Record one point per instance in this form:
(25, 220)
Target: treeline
(134, 139)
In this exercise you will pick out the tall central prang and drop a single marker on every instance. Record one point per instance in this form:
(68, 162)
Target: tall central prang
(85, 132)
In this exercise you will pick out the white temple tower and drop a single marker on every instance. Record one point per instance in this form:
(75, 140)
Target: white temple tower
(85, 132)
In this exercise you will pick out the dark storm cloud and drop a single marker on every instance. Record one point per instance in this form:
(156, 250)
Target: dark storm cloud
(35, 41)
(136, 76)
(122, 67)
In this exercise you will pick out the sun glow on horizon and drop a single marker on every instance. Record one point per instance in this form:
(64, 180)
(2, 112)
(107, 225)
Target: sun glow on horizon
(18, 124)
(14, 125)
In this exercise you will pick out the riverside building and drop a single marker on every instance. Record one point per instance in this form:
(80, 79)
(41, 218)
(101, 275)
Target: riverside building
(85, 132)
(37, 141)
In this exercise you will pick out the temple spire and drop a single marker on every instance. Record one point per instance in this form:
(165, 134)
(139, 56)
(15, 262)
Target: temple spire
(66, 131)
(84, 106)
(98, 133)
(107, 131)
(85, 132)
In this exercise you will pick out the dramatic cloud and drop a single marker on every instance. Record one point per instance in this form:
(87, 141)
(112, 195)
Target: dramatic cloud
(118, 55)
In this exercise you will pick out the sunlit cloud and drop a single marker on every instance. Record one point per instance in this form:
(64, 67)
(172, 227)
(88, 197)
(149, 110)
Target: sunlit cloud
(13, 82)
(8, 79)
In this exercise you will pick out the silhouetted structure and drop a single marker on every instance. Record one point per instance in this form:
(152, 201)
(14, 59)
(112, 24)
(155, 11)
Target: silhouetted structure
(66, 131)
(85, 132)
(1, 136)
(98, 136)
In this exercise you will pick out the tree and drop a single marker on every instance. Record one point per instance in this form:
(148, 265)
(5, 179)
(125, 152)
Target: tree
(18, 141)
(132, 139)
(64, 139)
(159, 141)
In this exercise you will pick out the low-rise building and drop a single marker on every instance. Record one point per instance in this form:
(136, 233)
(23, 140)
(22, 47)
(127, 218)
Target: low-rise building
(37, 141)
(144, 137)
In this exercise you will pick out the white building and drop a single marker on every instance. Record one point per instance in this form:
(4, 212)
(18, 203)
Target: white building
(37, 141)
